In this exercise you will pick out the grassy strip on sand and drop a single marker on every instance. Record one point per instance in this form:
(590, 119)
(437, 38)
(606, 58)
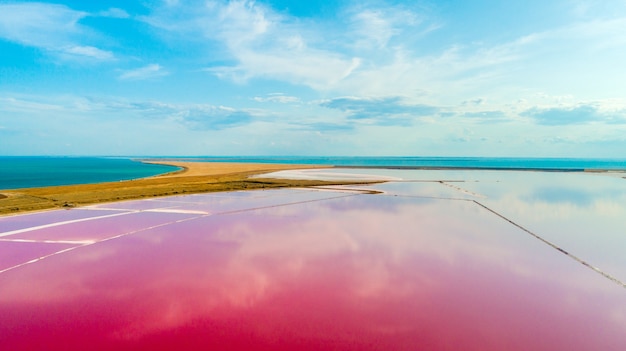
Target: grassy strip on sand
(195, 177)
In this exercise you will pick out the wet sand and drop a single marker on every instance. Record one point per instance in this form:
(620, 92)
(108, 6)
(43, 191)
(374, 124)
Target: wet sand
(195, 177)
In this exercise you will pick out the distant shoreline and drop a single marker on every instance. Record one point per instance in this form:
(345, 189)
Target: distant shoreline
(200, 177)
(418, 162)
(464, 168)
(193, 178)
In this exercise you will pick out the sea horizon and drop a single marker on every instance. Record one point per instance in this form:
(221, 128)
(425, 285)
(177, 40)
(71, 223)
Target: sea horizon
(18, 172)
(419, 162)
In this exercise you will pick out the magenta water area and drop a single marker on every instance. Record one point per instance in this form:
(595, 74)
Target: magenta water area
(424, 264)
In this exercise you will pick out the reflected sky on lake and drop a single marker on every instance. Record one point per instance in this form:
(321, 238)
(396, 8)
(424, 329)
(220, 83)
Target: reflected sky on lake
(583, 213)
(428, 263)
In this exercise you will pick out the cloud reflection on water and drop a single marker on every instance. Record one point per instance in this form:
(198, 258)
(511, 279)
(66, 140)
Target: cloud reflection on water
(352, 272)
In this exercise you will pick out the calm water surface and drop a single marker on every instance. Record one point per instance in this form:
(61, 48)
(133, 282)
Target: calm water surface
(423, 265)
(31, 172)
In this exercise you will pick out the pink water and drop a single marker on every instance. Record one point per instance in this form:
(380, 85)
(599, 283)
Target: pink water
(306, 270)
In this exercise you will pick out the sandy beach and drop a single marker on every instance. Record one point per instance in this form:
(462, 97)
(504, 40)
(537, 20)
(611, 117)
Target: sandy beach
(195, 177)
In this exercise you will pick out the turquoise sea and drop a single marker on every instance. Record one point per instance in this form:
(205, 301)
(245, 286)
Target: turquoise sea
(32, 172)
(557, 164)
(29, 172)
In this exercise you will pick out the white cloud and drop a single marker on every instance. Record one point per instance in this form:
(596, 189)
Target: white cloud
(579, 114)
(582, 58)
(381, 111)
(263, 43)
(318, 70)
(142, 73)
(241, 22)
(52, 28)
(277, 97)
(12, 104)
(373, 53)
(376, 27)
(407, 75)
(599, 34)
(376, 51)
(44, 121)
(37, 24)
(89, 51)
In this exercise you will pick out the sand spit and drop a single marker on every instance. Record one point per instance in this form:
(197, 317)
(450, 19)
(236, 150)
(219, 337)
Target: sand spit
(194, 177)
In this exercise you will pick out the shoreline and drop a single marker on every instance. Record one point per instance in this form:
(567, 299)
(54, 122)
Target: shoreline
(192, 178)
(465, 168)
(202, 177)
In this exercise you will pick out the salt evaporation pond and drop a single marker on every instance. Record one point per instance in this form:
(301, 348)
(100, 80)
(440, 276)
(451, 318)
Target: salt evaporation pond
(437, 260)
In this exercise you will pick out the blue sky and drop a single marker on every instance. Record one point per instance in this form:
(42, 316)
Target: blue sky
(279, 77)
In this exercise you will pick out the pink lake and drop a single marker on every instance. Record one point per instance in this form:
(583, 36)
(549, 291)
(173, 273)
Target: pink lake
(424, 266)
